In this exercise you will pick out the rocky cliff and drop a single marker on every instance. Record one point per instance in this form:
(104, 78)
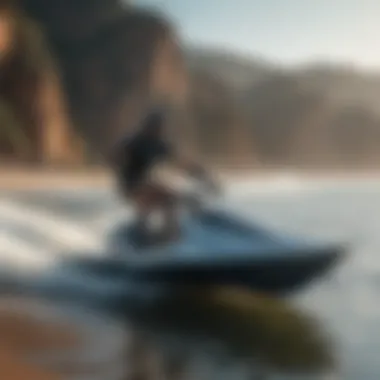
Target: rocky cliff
(109, 62)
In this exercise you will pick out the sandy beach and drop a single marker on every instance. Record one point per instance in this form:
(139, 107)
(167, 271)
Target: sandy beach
(18, 177)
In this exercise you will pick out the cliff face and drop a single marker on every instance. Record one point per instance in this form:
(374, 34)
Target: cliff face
(113, 62)
(6, 33)
(90, 67)
(71, 21)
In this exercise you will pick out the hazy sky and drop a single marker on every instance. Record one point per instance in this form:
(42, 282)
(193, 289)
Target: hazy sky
(292, 31)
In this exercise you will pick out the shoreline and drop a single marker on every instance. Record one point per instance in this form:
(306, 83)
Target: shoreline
(15, 178)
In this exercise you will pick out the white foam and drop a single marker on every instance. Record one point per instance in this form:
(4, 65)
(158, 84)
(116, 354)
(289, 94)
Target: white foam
(21, 255)
(66, 234)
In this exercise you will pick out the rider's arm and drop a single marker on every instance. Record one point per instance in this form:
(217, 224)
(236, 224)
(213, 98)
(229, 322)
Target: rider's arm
(192, 167)
(185, 162)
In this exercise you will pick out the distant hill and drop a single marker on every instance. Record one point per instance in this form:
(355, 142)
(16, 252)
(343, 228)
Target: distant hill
(319, 114)
(236, 71)
(342, 84)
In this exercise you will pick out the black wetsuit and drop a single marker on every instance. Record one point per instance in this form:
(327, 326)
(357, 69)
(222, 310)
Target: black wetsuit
(139, 154)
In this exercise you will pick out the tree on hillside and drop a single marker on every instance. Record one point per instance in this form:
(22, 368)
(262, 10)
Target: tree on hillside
(218, 120)
(278, 108)
(22, 70)
(355, 133)
(13, 138)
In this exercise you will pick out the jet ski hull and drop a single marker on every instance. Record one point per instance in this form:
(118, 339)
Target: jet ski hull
(221, 249)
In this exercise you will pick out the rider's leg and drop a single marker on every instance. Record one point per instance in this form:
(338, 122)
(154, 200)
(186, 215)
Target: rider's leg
(145, 204)
(169, 205)
(148, 197)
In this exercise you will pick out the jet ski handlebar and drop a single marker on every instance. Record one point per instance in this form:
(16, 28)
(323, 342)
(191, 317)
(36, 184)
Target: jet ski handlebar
(195, 200)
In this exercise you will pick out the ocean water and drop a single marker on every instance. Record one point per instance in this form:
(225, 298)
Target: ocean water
(345, 304)
(348, 302)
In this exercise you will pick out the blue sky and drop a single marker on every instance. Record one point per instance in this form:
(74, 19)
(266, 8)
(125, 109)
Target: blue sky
(290, 31)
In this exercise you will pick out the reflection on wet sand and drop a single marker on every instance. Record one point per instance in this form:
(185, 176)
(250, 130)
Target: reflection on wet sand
(57, 341)
(193, 332)
(233, 328)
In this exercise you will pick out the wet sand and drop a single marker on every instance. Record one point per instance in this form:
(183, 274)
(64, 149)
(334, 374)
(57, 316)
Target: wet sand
(23, 336)
(191, 332)
(43, 340)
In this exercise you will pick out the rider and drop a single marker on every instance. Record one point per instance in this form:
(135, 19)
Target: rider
(134, 159)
